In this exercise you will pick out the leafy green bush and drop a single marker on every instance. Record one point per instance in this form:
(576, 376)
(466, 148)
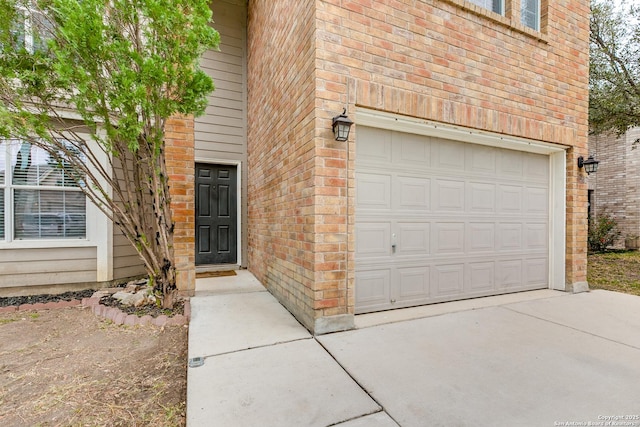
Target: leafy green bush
(603, 232)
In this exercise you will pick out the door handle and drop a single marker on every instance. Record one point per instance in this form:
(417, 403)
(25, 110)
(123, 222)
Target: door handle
(393, 243)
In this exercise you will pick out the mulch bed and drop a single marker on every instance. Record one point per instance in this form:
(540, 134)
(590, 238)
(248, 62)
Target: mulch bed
(151, 310)
(38, 301)
(33, 299)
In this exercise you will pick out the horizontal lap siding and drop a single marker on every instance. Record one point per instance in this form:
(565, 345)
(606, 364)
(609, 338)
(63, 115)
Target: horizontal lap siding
(221, 131)
(51, 266)
(126, 261)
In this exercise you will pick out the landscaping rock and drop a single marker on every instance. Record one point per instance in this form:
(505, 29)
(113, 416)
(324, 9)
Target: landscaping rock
(127, 298)
(102, 293)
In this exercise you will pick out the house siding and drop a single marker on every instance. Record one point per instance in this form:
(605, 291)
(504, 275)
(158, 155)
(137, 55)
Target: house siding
(444, 61)
(23, 269)
(126, 261)
(221, 133)
(217, 136)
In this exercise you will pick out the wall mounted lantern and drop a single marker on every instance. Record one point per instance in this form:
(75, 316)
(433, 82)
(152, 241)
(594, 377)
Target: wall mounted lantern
(341, 126)
(590, 165)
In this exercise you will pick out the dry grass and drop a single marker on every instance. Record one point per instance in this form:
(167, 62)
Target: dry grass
(67, 368)
(615, 271)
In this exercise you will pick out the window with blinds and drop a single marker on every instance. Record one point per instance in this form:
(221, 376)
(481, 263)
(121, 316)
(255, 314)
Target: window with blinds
(530, 13)
(39, 199)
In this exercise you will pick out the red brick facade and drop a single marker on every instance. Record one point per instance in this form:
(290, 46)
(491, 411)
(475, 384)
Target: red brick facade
(179, 137)
(445, 61)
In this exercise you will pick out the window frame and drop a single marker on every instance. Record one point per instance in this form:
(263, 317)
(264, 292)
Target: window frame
(24, 29)
(7, 187)
(511, 17)
(537, 17)
(502, 4)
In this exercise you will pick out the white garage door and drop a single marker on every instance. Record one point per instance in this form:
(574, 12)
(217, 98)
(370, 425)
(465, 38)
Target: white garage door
(439, 220)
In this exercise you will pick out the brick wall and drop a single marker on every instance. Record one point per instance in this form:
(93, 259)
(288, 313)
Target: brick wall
(282, 152)
(453, 62)
(616, 185)
(447, 61)
(179, 154)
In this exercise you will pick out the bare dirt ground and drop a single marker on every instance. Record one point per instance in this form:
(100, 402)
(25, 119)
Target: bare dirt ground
(66, 367)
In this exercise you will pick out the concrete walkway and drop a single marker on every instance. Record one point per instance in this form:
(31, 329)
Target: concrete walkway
(541, 358)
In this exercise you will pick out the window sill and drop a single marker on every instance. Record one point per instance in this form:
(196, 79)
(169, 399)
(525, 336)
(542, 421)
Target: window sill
(46, 244)
(500, 19)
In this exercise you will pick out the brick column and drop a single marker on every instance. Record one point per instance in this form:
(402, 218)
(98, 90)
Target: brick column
(179, 154)
(576, 235)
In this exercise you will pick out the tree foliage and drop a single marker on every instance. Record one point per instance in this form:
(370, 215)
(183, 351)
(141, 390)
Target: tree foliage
(614, 78)
(93, 82)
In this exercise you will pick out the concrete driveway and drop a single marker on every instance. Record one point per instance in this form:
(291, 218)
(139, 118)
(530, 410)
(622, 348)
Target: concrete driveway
(541, 358)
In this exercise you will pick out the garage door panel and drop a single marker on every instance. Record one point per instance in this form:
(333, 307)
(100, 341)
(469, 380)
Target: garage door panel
(536, 200)
(378, 146)
(536, 168)
(373, 239)
(447, 220)
(413, 283)
(448, 280)
(481, 237)
(509, 274)
(373, 288)
(536, 236)
(481, 159)
(449, 155)
(412, 150)
(413, 238)
(480, 276)
(509, 237)
(448, 238)
(414, 194)
(481, 197)
(374, 191)
(510, 164)
(535, 270)
(449, 196)
(510, 199)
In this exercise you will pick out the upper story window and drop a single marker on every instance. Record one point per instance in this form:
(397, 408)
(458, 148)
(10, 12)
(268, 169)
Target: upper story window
(496, 6)
(31, 30)
(38, 197)
(530, 13)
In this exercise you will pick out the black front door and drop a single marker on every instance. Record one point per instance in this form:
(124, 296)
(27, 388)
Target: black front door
(216, 214)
